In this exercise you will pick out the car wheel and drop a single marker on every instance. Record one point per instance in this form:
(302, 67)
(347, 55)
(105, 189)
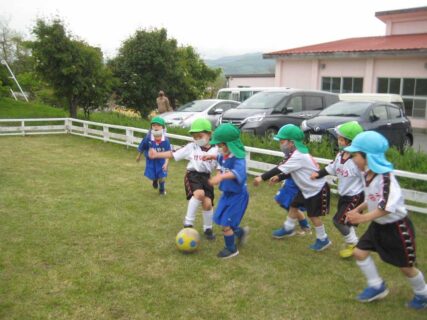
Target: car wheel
(271, 132)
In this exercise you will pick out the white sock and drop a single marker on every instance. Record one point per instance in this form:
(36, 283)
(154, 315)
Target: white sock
(193, 205)
(289, 224)
(207, 219)
(321, 232)
(351, 238)
(418, 284)
(370, 271)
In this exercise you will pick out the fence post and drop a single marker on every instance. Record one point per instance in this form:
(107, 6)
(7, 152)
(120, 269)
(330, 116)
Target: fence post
(67, 124)
(129, 137)
(23, 127)
(85, 127)
(248, 159)
(105, 133)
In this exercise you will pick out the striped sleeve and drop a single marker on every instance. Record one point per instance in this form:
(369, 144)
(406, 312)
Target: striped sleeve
(385, 191)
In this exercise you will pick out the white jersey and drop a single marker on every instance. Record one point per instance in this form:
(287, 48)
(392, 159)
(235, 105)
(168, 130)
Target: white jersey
(300, 166)
(384, 192)
(350, 178)
(194, 154)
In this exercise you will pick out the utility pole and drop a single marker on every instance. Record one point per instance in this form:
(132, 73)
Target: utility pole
(14, 78)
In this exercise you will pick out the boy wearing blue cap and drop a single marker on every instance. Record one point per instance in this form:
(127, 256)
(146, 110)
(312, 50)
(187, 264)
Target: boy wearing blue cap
(232, 182)
(390, 233)
(155, 169)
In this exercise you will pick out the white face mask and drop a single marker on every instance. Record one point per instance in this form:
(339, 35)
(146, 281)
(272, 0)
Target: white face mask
(201, 142)
(157, 133)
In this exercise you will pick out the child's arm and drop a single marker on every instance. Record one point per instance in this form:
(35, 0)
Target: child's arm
(355, 217)
(267, 176)
(153, 154)
(221, 176)
(138, 157)
(165, 165)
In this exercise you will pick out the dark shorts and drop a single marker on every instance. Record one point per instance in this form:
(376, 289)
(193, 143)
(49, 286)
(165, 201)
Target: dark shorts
(194, 180)
(317, 205)
(394, 242)
(346, 204)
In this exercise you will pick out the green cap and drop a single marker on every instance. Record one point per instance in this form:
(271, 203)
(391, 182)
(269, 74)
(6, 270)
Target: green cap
(293, 133)
(349, 130)
(230, 135)
(200, 125)
(158, 120)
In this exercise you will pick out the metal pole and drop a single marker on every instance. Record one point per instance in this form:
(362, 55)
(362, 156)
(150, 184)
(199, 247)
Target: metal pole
(14, 78)
(13, 94)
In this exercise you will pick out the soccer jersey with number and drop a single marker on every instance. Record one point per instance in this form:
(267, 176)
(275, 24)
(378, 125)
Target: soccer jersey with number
(384, 192)
(300, 166)
(350, 178)
(194, 154)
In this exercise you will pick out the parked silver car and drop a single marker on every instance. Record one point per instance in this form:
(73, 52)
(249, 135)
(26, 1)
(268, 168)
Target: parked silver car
(209, 109)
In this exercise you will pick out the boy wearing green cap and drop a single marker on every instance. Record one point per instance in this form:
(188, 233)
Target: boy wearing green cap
(350, 184)
(232, 182)
(314, 194)
(197, 189)
(155, 170)
(390, 233)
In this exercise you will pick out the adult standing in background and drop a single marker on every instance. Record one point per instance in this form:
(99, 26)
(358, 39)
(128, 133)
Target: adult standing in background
(163, 104)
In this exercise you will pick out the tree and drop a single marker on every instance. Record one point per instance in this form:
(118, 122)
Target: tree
(149, 61)
(74, 69)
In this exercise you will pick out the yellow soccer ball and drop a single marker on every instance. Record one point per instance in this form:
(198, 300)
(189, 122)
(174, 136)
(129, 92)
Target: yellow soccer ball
(187, 240)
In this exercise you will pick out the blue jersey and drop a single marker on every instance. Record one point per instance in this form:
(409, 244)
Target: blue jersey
(238, 167)
(153, 167)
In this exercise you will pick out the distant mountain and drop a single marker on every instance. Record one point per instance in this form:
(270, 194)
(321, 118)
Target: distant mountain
(250, 63)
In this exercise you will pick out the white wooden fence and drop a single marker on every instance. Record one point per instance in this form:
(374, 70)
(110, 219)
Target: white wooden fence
(126, 136)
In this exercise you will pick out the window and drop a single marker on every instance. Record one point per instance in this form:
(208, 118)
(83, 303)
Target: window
(342, 85)
(379, 113)
(295, 104)
(313, 103)
(412, 90)
(394, 113)
(244, 95)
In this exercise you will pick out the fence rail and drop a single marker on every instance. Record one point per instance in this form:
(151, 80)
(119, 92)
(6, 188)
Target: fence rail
(126, 136)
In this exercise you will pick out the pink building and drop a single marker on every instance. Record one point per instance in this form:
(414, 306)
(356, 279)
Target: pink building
(394, 63)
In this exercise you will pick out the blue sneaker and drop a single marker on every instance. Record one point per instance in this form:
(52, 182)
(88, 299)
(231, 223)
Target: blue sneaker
(417, 303)
(370, 293)
(320, 245)
(282, 232)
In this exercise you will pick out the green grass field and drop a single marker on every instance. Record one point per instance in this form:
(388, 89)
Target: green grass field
(84, 236)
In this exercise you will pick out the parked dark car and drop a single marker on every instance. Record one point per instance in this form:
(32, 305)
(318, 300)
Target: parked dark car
(265, 112)
(385, 118)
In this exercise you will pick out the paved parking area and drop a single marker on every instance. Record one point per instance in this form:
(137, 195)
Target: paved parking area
(420, 141)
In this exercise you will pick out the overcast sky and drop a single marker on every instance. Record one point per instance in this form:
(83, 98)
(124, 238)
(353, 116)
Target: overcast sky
(215, 28)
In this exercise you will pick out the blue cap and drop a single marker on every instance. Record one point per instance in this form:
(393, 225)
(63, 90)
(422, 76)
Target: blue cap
(374, 145)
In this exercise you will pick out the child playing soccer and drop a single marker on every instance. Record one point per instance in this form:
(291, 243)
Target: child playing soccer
(197, 189)
(284, 199)
(314, 194)
(155, 169)
(350, 184)
(232, 182)
(390, 233)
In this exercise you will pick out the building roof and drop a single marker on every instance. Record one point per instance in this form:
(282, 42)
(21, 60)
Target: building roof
(380, 14)
(250, 75)
(394, 44)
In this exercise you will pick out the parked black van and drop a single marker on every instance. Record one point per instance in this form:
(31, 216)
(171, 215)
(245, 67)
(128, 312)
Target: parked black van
(265, 112)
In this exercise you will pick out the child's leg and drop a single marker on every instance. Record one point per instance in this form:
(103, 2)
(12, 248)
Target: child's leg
(208, 218)
(230, 249)
(303, 222)
(288, 228)
(367, 265)
(319, 227)
(193, 205)
(162, 182)
(418, 284)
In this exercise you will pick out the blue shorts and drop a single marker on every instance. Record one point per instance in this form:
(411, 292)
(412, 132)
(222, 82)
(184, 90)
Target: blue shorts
(231, 209)
(286, 195)
(154, 171)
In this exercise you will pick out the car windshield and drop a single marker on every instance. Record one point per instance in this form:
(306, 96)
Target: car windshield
(346, 109)
(263, 100)
(195, 106)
